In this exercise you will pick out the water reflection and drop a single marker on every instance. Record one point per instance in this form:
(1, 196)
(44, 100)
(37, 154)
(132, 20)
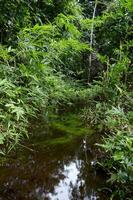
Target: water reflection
(53, 173)
(65, 188)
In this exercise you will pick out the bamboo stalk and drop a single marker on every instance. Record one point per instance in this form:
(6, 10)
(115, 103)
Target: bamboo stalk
(91, 38)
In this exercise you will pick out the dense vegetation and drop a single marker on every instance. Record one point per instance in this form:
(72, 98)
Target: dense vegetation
(55, 54)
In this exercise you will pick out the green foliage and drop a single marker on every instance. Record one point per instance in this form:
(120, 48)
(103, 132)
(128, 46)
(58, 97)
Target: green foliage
(58, 45)
(33, 75)
(45, 64)
(31, 12)
(110, 97)
(119, 147)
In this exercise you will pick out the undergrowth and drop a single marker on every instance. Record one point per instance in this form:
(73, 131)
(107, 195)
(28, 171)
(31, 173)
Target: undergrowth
(62, 54)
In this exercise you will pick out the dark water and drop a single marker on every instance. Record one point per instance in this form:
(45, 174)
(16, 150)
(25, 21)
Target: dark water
(52, 172)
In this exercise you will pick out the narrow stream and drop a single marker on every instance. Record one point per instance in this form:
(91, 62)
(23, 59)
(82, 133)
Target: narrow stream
(52, 172)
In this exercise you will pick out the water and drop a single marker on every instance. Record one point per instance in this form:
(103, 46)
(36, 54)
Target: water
(52, 172)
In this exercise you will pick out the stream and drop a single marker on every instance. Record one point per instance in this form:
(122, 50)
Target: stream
(41, 170)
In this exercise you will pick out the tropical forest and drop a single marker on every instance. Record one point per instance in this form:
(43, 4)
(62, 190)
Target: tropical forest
(66, 99)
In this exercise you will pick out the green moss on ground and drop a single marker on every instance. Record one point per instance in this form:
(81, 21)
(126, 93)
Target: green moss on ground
(64, 129)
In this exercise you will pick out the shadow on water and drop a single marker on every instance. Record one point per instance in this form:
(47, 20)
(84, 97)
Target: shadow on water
(52, 172)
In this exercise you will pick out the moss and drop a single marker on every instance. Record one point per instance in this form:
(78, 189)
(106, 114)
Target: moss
(69, 124)
(64, 129)
(59, 141)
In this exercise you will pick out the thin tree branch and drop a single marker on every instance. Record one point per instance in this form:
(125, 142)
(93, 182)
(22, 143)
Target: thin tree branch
(91, 38)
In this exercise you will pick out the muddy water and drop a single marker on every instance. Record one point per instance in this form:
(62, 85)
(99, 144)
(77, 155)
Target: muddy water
(52, 172)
